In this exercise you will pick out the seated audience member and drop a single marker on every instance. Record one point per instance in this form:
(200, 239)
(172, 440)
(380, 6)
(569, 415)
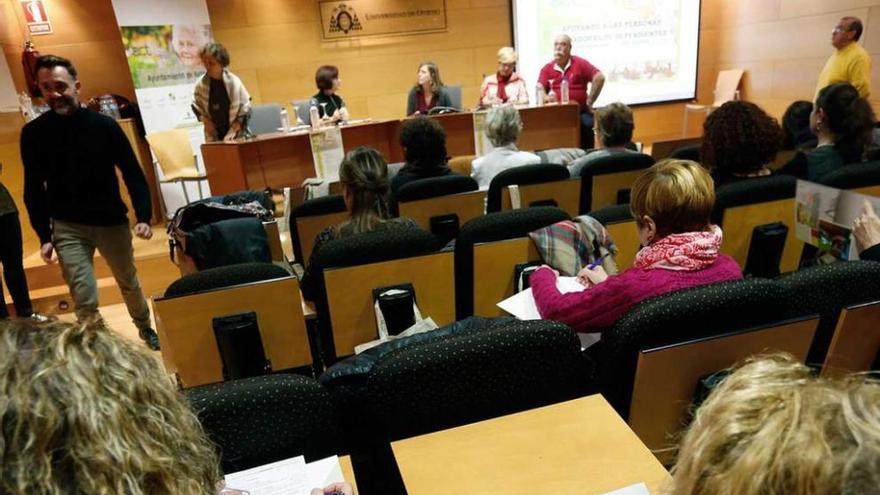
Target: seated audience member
(424, 148)
(506, 86)
(503, 126)
(844, 125)
(672, 203)
(773, 427)
(363, 175)
(331, 107)
(866, 230)
(739, 142)
(428, 92)
(614, 130)
(86, 411)
(796, 127)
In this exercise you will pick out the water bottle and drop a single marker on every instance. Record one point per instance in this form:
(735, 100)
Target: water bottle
(109, 107)
(551, 96)
(285, 121)
(564, 91)
(314, 117)
(539, 95)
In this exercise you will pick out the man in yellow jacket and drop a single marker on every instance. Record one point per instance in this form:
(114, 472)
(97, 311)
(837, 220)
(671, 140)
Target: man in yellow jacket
(850, 62)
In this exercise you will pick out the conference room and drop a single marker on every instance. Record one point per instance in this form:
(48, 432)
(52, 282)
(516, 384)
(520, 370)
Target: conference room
(439, 246)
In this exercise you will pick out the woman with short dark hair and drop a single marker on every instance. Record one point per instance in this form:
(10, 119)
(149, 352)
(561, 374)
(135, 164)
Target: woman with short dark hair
(428, 92)
(331, 107)
(424, 147)
(613, 128)
(220, 99)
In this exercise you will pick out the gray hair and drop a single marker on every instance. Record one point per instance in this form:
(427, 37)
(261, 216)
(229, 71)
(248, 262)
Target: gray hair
(503, 125)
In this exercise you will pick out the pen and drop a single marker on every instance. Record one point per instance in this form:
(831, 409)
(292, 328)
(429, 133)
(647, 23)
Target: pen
(598, 261)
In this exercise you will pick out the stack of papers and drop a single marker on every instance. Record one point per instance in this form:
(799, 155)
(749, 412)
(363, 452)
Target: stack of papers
(288, 477)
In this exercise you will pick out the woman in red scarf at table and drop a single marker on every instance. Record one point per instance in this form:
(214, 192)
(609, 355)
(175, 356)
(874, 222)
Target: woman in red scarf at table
(671, 202)
(505, 86)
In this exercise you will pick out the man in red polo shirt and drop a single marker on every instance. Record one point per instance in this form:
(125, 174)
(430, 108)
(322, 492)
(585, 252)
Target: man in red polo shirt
(580, 74)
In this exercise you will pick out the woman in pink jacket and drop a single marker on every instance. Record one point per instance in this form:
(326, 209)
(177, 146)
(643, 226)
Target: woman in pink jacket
(671, 202)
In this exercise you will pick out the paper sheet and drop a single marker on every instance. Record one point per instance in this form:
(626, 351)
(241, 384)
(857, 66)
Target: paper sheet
(637, 489)
(288, 477)
(522, 305)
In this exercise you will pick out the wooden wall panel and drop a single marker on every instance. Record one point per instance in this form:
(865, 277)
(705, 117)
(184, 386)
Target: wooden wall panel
(782, 44)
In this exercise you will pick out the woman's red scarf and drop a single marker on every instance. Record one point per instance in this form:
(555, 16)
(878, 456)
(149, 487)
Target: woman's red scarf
(690, 251)
(502, 83)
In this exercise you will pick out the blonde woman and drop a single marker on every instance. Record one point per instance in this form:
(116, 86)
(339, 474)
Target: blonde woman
(85, 411)
(428, 92)
(672, 203)
(771, 427)
(505, 86)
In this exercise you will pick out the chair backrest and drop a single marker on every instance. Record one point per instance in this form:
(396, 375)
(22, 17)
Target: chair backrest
(564, 194)
(173, 153)
(663, 390)
(494, 264)
(741, 206)
(606, 181)
(462, 165)
(464, 205)
(473, 277)
(302, 110)
(856, 343)
(689, 152)
(265, 419)
(726, 86)
(827, 290)
(350, 294)
(432, 187)
(265, 119)
(505, 367)
(860, 177)
(662, 149)
(455, 95)
(621, 226)
(362, 249)
(682, 316)
(522, 176)
(309, 218)
(184, 319)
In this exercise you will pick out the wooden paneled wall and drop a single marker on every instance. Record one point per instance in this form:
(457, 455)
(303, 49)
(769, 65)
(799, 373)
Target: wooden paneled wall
(276, 46)
(782, 45)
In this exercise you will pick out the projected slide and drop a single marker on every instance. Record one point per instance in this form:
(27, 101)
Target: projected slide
(647, 49)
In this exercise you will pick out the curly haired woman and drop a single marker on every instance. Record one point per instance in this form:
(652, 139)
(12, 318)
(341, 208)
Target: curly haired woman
(739, 142)
(772, 427)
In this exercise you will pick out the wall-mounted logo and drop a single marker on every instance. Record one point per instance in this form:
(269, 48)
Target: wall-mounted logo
(344, 19)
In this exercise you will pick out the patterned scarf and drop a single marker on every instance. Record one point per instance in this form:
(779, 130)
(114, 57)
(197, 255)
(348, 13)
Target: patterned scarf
(690, 251)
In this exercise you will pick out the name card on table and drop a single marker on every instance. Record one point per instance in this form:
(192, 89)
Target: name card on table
(482, 145)
(327, 152)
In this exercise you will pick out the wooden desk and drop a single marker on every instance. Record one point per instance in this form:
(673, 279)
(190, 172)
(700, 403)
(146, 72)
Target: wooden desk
(348, 471)
(280, 160)
(285, 160)
(581, 446)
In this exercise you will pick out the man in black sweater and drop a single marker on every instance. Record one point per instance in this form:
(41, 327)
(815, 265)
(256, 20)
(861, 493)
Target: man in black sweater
(70, 157)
